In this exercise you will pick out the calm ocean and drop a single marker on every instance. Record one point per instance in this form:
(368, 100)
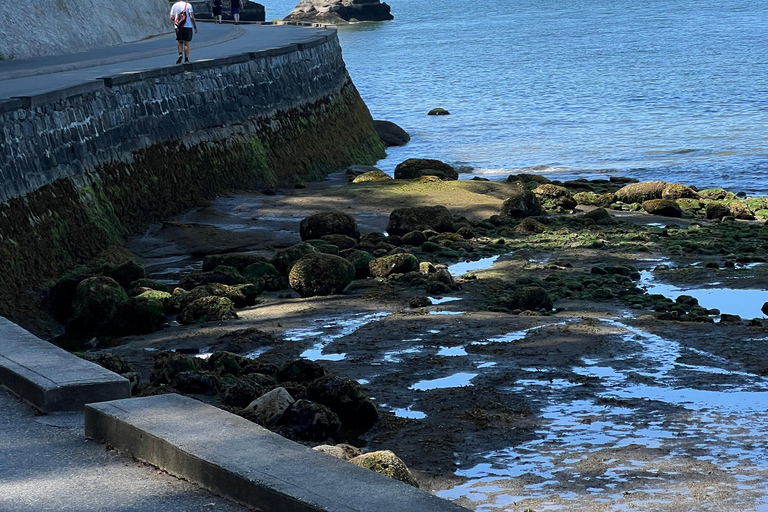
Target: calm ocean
(673, 89)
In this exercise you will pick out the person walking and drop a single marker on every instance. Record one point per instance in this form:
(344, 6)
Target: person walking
(184, 21)
(217, 10)
(235, 5)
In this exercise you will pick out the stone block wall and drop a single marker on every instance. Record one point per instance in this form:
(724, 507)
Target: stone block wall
(82, 168)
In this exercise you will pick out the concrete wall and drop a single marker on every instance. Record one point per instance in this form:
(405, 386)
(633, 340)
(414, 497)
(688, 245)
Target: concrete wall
(47, 27)
(82, 168)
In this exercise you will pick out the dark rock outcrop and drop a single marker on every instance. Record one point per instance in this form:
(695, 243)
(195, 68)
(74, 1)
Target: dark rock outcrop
(328, 223)
(419, 218)
(414, 168)
(340, 11)
(522, 203)
(391, 134)
(321, 274)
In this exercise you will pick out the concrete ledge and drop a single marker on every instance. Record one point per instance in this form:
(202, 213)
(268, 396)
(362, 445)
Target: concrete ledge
(238, 459)
(50, 378)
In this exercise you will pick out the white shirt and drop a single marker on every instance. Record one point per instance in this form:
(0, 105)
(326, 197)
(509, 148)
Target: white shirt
(178, 7)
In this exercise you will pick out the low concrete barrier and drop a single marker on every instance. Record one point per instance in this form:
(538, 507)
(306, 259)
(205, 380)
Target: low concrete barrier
(238, 459)
(50, 378)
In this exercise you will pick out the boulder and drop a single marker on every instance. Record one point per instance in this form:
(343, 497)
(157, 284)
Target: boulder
(643, 191)
(438, 112)
(223, 362)
(391, 134)
(386, 463)
(530, 225)
(346, 398)
(663, 207)
(600, 216)
(111, 362)
(126, 273)
(522, 203)
(340, 451)
(592, 199)
(300, 370)
(675, 191)
(716, 210)
(238, 260)
(414, 237)
(240, 394)
(138, 315)
(197, 382)
(419, 218)
(169, 364)
(342, 242)
(271, 406)
(222, 274)
(764, 309)
(284, 259)
(241, 295)
(740, 210)
(376, 175)
(328, 223)
(360, 260)
(554, 197)
(414, 168)
(96, 300)
(310, 421)
(525, 178)
(393, 264)
(149, 283)
(207, 309)
(339, 11)
(716, 194)
(321, 274)
(259, 270)
(527, 298)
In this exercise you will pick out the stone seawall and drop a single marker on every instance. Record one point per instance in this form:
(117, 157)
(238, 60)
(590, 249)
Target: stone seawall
(82, 168)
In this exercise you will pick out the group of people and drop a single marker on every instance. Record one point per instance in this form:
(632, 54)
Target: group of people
(184, 22)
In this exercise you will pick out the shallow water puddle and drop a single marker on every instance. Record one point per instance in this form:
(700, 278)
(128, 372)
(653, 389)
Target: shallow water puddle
(329, 331)
(457, 380)
(656, 434)
(459, 269)
(745, 303)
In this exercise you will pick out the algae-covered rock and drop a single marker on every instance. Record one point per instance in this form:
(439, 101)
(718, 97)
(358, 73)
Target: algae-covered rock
(259, 270)
(372, 176)
(111, 362)
(239, 394)
(530, 225)
(284, 259)
(169, 364)
(321, 274)
(238, 260)
(522, 203)
(600, 216)
(328, 223)
(663, 207)
(526, 178)
(554, 197)
(715, 194)
(340, 451)
(526, 297)
(438, 111)
(414, 168)
(222, 274)
(197, 382)
(126, 273)
(415, 238)
(324, 247)
(386, 463)
(341, 242)
(592, 199)
(390, 133)
(688, 204)
(717, 210)
(419, 218)
(207, 309)
(740, 210)
(675, 191)
(310, 421)
(643, 191)
(393, 264)
(96, 300)
(419, 302)
(346, 398)
(138, 315)
(360, 260)
(300, 370)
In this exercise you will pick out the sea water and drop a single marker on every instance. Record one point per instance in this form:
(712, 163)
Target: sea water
(654, 89)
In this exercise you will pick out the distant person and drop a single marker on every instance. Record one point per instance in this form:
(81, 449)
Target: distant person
(184, 21)
(235, 5)
(217, 10)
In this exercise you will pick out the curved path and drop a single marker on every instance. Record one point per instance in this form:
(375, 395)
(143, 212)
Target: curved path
(26, 77)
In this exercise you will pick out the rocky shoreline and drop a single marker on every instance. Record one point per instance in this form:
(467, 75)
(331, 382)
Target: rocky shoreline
(357, 304)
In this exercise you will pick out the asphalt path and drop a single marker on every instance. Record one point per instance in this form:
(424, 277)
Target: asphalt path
(27, 77)
(46, 463)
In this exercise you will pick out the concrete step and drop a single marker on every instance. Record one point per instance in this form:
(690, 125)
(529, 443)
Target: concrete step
(51, 378)
(238, 459)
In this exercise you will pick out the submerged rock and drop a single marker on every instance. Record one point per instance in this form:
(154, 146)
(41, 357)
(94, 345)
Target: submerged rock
(339, 11)
(321, 274)
(386, 463)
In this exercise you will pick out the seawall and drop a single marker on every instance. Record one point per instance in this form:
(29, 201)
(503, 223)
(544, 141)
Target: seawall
(83, 167)
(47, 27)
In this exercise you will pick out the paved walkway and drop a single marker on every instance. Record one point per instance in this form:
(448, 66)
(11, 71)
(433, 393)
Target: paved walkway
(25, 77)
(47, 464)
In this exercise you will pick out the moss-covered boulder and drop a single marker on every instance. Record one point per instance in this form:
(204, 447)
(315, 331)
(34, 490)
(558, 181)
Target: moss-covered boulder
(675, 191)
(521, 203)
(689, 205)
(372, 176)
(126, 273)
(717, 210)
(324, 247)
(138, 315)
(321, 274)
(419, 218)
(310, 421)
(386, 463)
(600, 216)
(530, 225)
(414, 168)
(284, 259)
(340, 451)
(527, 178)
(169, 364)
(300, 370)
(554, 197)
(643, 191)
(111, 362)
(197, 383)
(96, 301)
(740, 210)
(342, 242)
(715, 194)
(360, 260)
(415, 238)
(149, 283)
(390, 133)
(221, 275)
(328, 223)
(393, 264)
(346, 398)
(207, 309)
(259, 270)
(593, 199)
(238, 260)
(663, 207)
(521, 297)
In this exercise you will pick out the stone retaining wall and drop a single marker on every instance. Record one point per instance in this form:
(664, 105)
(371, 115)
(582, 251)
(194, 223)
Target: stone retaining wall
(83, 167)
